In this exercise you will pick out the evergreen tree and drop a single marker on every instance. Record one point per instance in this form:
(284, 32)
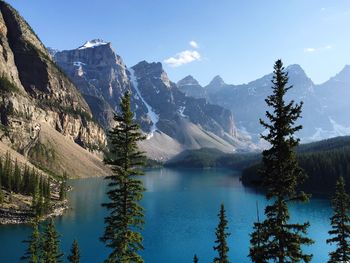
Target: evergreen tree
(47, 196)
(63, 189)
(17, 178)
(7, 172)
(125, 218)
(258, 238)
(195, 259)
(221, 235)
(26, 180)
(340, 222)
(51, 244)
(33, 182)
(41, 186)
(38, 199)
(74, 257)
(281, 241)
(33, 252)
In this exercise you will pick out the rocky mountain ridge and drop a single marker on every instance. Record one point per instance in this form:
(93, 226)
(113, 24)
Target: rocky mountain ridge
(324, 104)
(102, 77)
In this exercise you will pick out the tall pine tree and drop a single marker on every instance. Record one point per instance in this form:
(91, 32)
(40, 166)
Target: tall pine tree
(340, 222)
(33, 252)
(63, 188)
(74, 257)
(125, 220)
(221, 235)
(259, 239)
(51, 252)
(7, 173)
(279, 240)
(17, 178)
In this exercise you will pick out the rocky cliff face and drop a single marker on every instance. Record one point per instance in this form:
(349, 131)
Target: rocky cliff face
(167, 101)
(99, 73)
(34, 91)
(102, 78)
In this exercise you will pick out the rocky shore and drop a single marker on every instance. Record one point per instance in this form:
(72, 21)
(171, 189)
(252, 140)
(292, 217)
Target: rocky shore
(24, 216)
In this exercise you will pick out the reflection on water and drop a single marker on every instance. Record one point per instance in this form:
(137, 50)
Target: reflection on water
(181, 215)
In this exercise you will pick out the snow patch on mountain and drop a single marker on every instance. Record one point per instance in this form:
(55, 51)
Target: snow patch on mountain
(181, 111)
(79, 66)
(93, 43)
(339, 129)
(321, 134)
(78, 63)
(151, 114)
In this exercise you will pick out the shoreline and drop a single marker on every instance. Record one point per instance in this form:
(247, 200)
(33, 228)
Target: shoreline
(10, 216)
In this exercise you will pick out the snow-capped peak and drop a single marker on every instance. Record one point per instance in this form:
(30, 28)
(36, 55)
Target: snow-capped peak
(93, 43)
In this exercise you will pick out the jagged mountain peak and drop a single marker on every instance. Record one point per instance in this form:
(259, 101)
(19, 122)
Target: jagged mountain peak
(156, 66)
(152, 69)
(190, 86)
(94, 43)
(296, 71)
(343, 75)
(188, 80)
(217, 81)
(94, 52)
(215, 85)
(99, 72)
(295, 68)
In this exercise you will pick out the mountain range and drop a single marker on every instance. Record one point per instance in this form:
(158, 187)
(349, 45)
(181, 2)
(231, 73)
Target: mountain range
(324, 105)
(172, 121)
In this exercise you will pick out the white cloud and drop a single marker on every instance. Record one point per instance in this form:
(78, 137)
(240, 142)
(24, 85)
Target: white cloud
(317, 49)
(182, 58)
(194, 44)
(309, 49)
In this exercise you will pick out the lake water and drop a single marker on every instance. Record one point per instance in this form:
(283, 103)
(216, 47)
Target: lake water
(181, 216)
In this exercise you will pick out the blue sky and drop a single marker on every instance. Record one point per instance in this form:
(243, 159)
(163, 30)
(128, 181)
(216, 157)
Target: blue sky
(237, 39)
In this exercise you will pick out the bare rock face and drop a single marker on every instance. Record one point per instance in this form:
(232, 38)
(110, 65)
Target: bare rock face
(33, 90)
(100, 74)
(168, 102)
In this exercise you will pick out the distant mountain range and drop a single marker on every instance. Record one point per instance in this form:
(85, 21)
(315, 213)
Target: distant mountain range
(324, 111)
(174, 122)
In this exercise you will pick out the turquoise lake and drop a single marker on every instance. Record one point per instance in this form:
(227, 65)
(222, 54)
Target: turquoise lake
(181, 216)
